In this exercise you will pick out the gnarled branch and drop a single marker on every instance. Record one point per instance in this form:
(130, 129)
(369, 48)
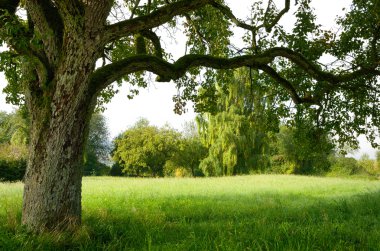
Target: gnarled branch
(155, 41)
(166, 71)
(154, 19)
(228, 13)
(287, 86)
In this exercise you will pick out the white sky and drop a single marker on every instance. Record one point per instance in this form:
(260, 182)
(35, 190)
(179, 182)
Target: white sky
(155, 103)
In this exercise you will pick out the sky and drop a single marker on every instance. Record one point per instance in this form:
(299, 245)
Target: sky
(155, 102)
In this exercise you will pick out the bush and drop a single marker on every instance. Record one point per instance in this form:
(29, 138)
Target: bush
(343, 166)
(12, 162)
(182, 172)
(368, 164)
(93, 167)
(116, 170)
(12, 170)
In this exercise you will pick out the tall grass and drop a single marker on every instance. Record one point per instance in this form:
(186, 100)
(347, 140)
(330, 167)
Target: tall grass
(261, 212)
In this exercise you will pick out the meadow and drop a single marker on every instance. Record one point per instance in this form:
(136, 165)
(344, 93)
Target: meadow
(259, 212)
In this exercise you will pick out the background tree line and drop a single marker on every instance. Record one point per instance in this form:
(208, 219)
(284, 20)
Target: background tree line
(224, 143)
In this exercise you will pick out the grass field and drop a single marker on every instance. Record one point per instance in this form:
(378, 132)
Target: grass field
(261, 212)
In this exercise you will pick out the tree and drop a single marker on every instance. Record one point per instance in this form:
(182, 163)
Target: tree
(51, 67)
(236, 134)
(143, 149)
(367, 164)
(302, 149)
(97, 147)
(188, 155)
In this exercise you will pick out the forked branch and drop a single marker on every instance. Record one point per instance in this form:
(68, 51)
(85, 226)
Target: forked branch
(151, 20)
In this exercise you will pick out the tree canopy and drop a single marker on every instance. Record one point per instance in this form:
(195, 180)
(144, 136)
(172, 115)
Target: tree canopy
(143, 149)
(293, 62)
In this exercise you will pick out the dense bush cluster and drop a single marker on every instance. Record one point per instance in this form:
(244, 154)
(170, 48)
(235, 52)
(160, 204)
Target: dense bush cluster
(12, 170)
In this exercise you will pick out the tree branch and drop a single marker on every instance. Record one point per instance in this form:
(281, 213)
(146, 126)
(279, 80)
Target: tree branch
(19, 37)
(288, 86)
(155, 41)
(106, 75)
(268, 26)
(154, 19)
(228, 13)
(166, 71)
(47, 21)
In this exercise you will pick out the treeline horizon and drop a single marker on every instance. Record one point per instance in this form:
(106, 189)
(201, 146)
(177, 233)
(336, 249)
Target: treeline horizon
(202, 148)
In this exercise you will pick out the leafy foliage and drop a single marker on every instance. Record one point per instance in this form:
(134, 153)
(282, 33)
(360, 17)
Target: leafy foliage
(13, 161)
(97, 147)
(146, 150)
(302, 150)
(14, 136)
(143, 149)
(187, 158)
(14, 127)
(237, 133)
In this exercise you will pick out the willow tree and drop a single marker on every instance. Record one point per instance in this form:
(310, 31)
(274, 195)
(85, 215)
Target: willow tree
(236, 131)
(54, 46)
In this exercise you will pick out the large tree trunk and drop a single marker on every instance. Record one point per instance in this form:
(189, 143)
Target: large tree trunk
(52, 193)
(60, 118)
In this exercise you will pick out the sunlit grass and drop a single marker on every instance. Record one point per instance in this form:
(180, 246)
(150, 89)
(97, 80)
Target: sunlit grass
(261, 212)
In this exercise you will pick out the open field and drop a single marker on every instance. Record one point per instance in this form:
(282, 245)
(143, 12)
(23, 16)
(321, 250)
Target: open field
(261, 212)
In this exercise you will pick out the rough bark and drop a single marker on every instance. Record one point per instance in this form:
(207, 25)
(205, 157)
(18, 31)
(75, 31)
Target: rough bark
(52, 193)
(60, 111)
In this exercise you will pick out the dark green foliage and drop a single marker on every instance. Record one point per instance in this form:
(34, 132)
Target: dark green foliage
(116, 170)
(14, 136)
(92, 166)
(9, 5)
(301, 150)
(12, 162)
(186, 159)
(12, 170)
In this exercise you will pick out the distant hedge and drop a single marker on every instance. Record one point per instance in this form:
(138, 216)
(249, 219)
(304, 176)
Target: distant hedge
(12, 170)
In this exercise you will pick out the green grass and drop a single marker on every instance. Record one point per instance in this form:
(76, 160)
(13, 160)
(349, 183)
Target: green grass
(261, 212)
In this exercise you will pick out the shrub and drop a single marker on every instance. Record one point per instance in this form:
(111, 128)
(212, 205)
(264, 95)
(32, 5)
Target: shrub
(12, 162)
(116, 170)
(12, 170)
(343, 166)
(368, 164)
